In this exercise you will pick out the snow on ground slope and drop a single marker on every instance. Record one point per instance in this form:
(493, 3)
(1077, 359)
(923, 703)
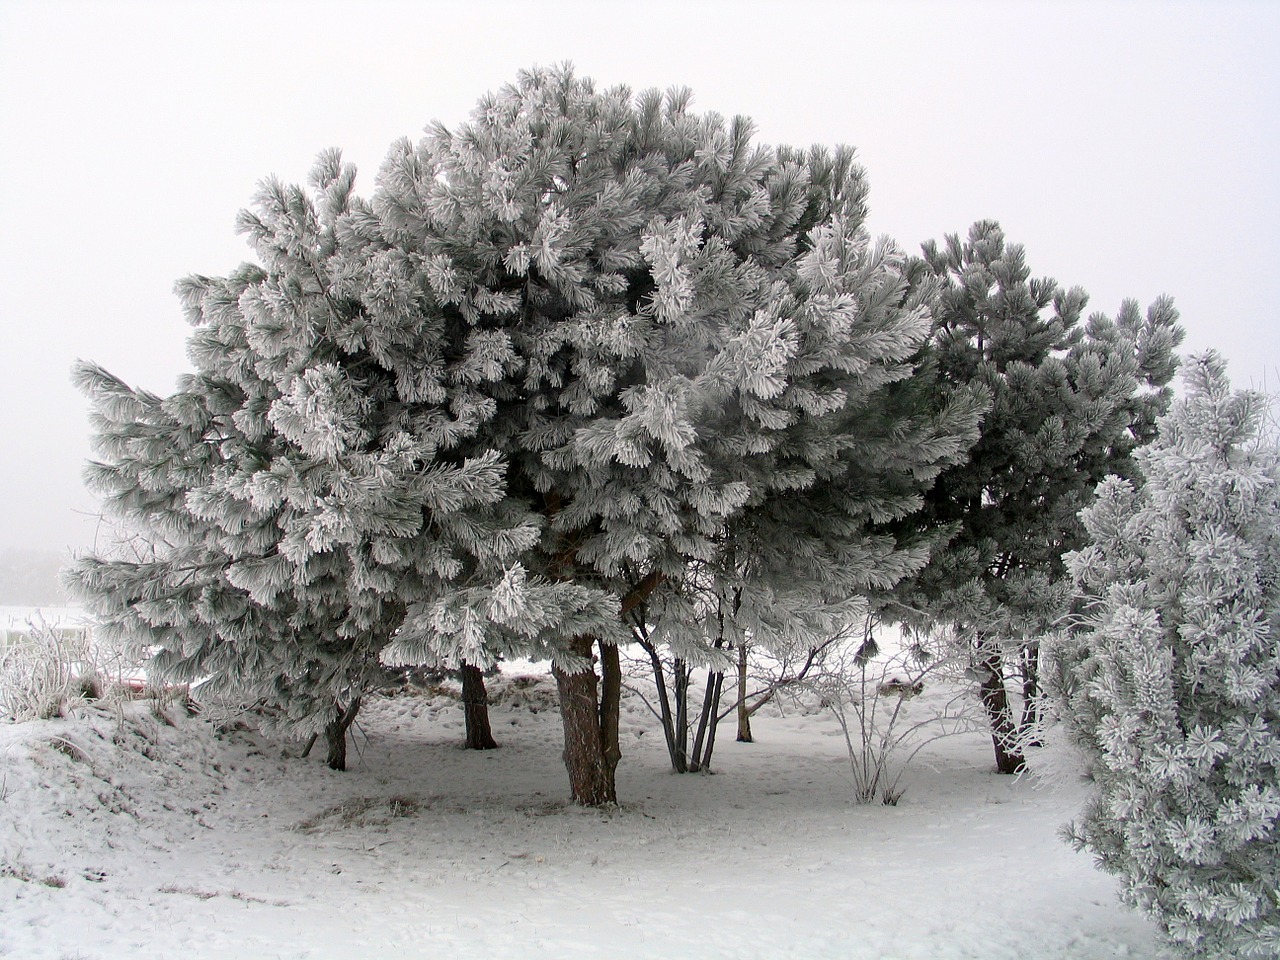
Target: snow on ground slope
(127, 833)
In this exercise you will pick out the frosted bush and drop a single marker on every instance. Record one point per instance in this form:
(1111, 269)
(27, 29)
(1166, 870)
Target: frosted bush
(42, 669)
(1172, 686)
(47, 669)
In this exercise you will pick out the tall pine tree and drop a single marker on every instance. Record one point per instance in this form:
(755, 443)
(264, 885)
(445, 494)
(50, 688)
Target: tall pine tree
(1071, 401)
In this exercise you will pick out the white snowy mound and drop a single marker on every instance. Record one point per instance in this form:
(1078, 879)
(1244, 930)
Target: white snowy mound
(127, 833)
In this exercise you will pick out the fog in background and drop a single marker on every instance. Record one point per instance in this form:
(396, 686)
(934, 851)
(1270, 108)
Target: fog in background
(1132, 148)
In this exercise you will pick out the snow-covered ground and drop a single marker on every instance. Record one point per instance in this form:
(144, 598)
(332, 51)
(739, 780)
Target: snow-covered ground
(131, 832)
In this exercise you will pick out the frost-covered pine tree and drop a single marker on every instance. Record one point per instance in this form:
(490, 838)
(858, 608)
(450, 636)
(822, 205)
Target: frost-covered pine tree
(528, 383)
(693, 327)
(1071, 398)
(302, 491)
(1172, 683)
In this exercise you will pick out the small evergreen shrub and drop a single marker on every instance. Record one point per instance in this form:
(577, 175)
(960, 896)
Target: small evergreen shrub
(1172, 686)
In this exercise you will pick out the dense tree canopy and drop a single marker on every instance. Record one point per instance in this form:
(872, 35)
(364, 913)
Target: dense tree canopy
(700, 335)
(563, 352)
(592, 367)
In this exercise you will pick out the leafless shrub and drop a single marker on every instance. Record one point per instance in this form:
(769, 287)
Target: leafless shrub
(867, 690)
(48, 669)
(43, 669)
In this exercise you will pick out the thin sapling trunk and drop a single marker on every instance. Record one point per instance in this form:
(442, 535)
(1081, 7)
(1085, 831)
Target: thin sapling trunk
(744, 715)
(1027, 727)
(704, 741)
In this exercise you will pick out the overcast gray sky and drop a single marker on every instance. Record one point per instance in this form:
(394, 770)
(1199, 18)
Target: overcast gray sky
(1132, 148)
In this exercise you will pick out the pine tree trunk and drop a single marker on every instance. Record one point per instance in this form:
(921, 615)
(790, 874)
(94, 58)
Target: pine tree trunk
(589, 781)
(475, 710)
(713, 722)
(610, 711)
(665, 715)
(1030, 694)
(335, 734)
(680, 760)
(995, 698)
(710, 700)
(744, 716)
(336, 738)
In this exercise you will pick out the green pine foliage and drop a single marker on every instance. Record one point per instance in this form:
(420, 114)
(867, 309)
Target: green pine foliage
(1171, 684)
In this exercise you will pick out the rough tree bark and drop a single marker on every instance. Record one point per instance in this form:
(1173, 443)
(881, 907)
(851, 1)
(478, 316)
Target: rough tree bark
(590, 778)
(610, 710)
(335, 734)
(475, 710)
(590, 782)
(995, 698)
(589, 714)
